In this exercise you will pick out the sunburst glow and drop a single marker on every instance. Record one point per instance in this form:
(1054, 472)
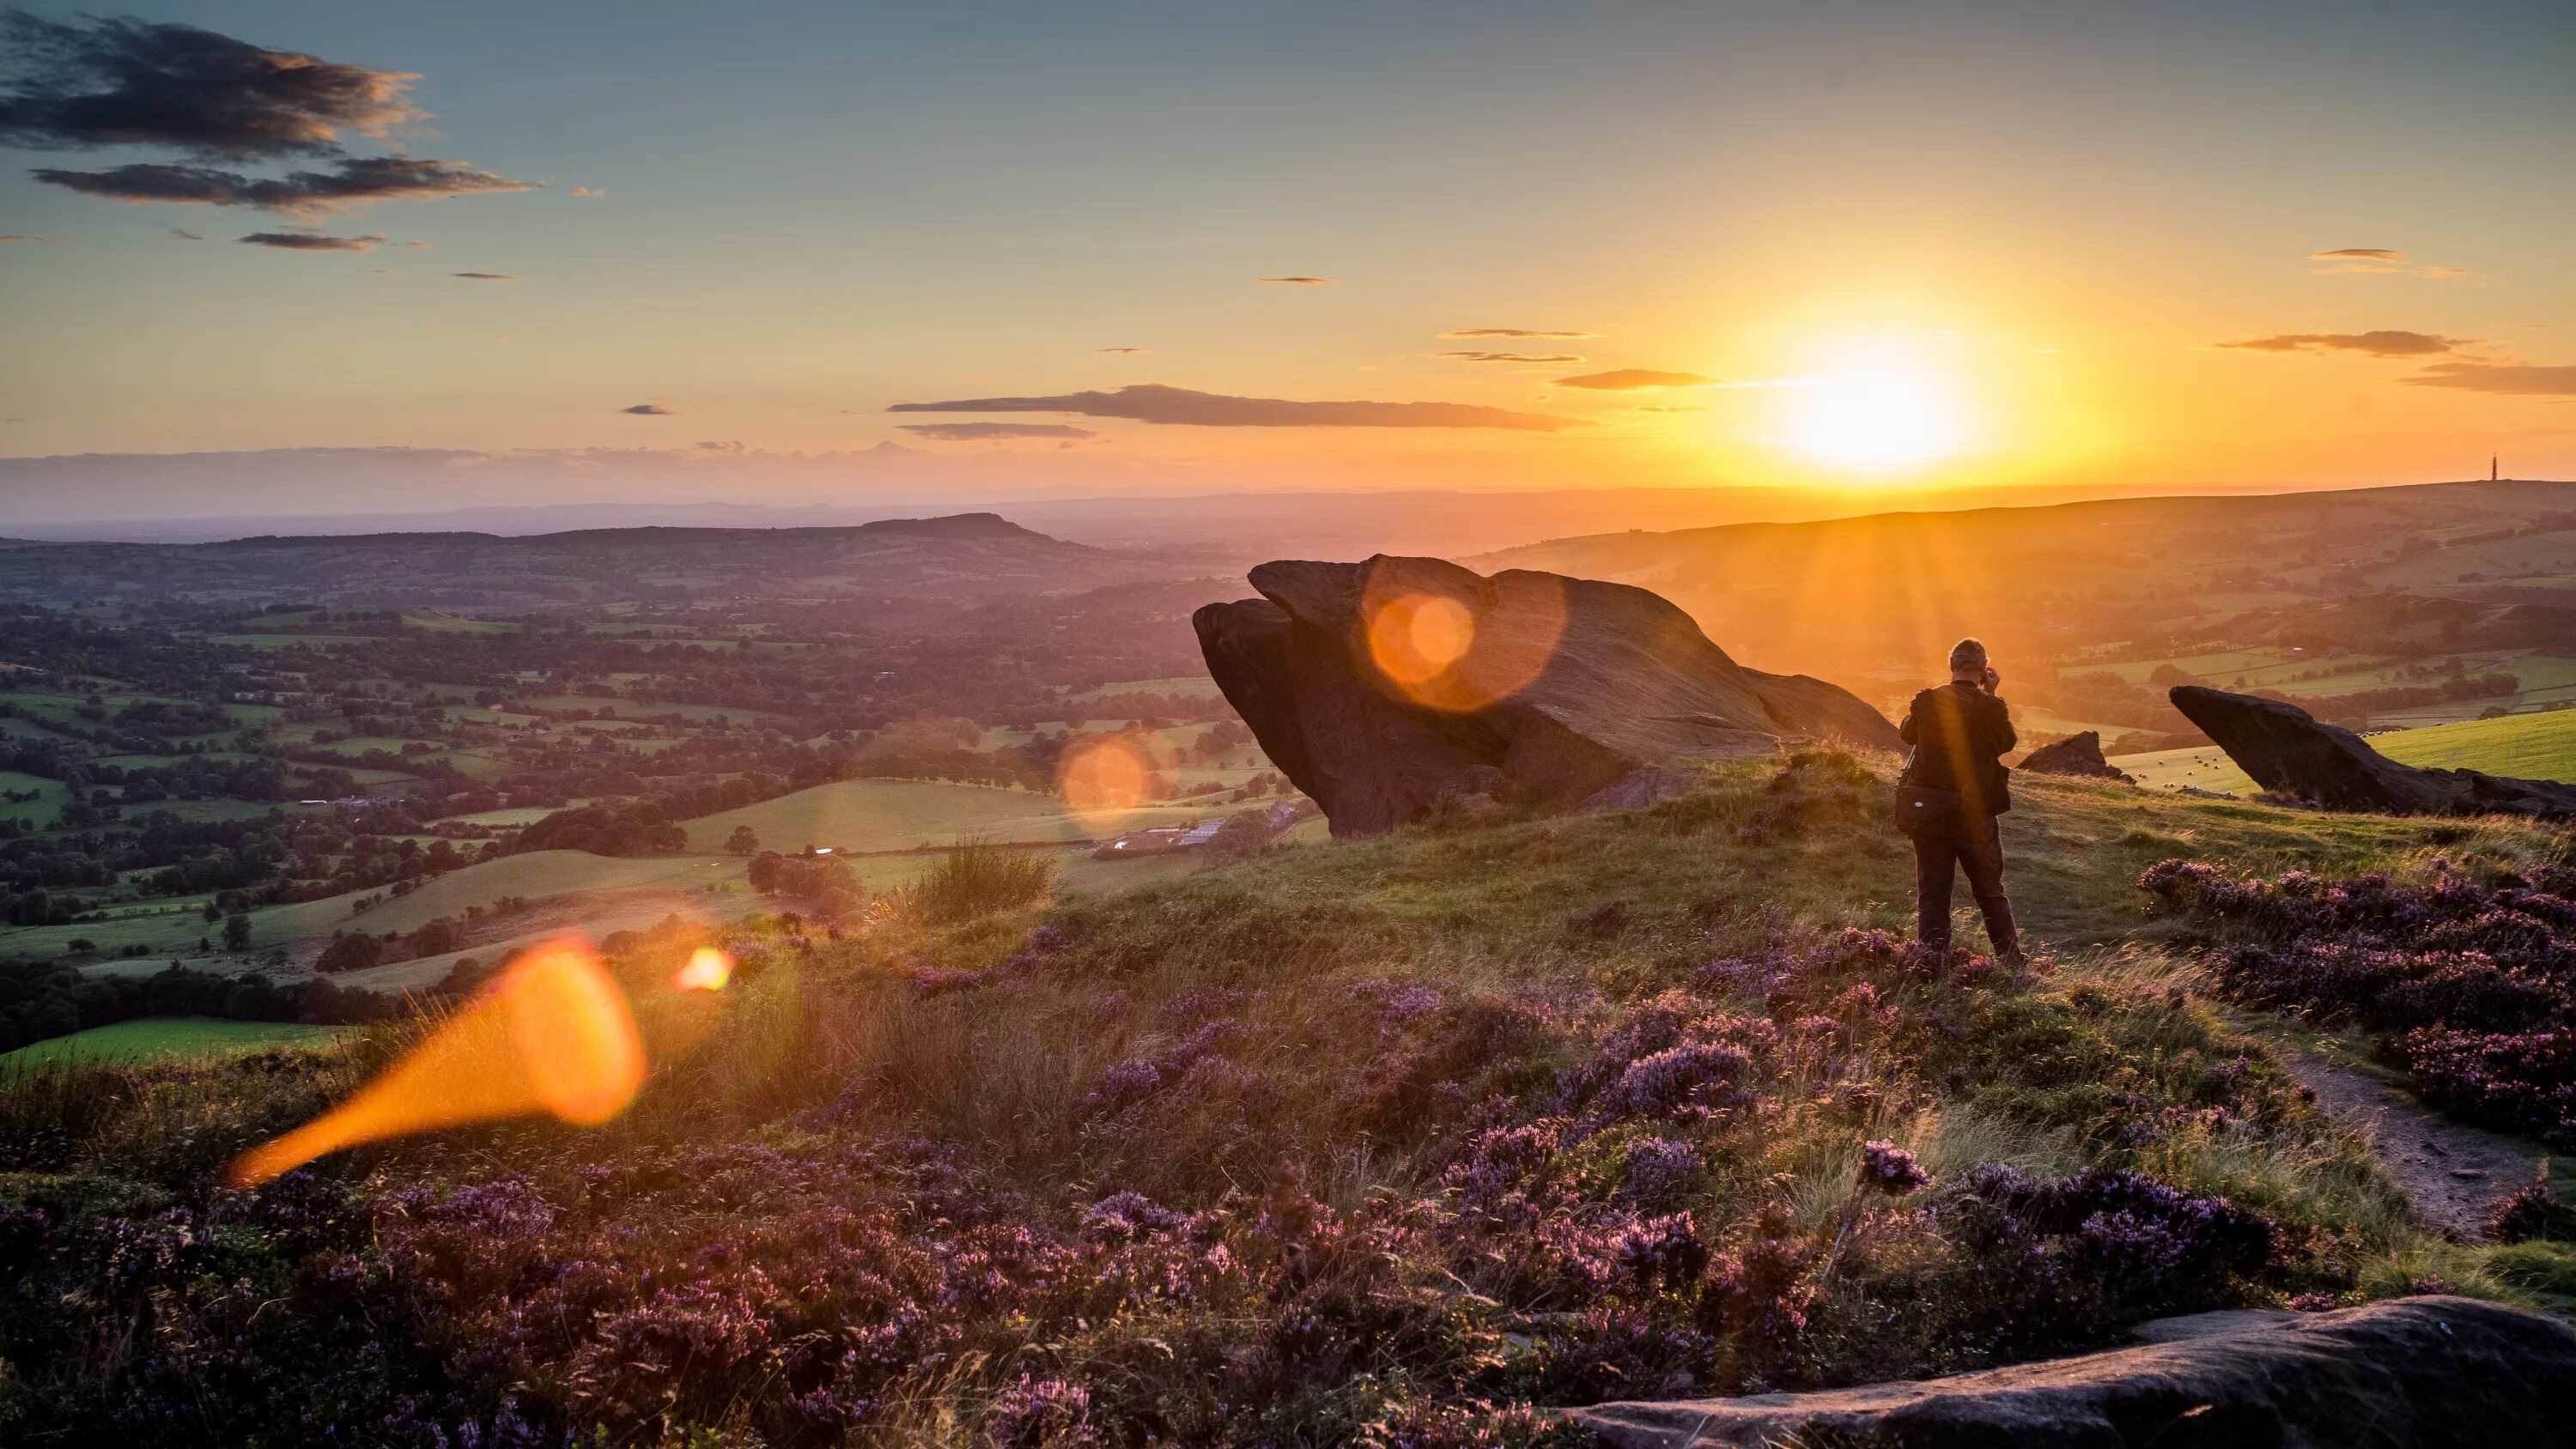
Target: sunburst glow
(1880, 418)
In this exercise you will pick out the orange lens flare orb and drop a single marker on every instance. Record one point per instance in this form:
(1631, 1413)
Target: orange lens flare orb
(552, 1034)
(708, 970)
(1103, 778)
(1416, 638)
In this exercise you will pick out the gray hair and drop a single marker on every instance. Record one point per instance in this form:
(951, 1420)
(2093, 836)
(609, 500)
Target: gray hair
(1967, 654)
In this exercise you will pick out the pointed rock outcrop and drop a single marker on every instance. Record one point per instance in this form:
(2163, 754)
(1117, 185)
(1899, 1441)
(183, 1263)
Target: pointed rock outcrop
(1383, 687)
(2290, 752)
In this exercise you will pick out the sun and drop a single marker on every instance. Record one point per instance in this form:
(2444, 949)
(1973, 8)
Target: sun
(1876, 418)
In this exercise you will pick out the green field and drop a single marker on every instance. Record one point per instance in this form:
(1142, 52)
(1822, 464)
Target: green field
(2532, 746)
(859, 815)
(167, 1038)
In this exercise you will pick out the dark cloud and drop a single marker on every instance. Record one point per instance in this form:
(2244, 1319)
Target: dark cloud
(1155, 403)
(2382, 343)
(125, 82)
(487, 276)
(1121, 351)
(352, 182)
(308, 241)
(1635, 379)
(182, 234)
(1521, 332)
(653, 410)
(986, 432)
(1296, 281)
(2512, 379)
(1559, 357)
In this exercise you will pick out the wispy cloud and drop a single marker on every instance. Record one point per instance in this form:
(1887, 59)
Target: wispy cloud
(1635, 379)
(2376, 262)
(312, 241)
(1121, 351)
(15, 238)
(1156, 403)
(1666, 408)
(352, 183)
(590, 192)
(179, 233)
(487, 276)
(652, 410)
(2511, 379)
(993, 432)
(1555, 357)
(1296, 281)
(2384, 342)
(1525, 333)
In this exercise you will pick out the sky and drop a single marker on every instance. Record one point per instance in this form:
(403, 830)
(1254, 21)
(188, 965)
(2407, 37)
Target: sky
(1491, 244)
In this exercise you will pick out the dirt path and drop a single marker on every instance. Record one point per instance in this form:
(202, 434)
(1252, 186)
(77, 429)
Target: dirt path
(2456, 1176)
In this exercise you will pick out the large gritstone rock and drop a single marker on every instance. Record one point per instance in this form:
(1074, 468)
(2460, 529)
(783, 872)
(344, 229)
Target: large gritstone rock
(2073, 755)
(1383, 687)
(2289, 752)
(2413, 1373)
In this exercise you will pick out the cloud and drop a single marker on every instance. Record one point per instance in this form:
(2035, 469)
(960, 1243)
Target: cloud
(1121, 351)
(2376, 261)
(593, 192)
(487, 276)
(5, 239)
(377, 271)
(1296, 281)
(1667, 408)
(353, 182)
(126, 82)
(1634, 379)
(652, 410)
(2511, 379)
(310, 241)
(1558, 357)
(1156, 403)
(182, 234)
(1521, 332)
(983, 432)
(415, 246)
(2381, 343)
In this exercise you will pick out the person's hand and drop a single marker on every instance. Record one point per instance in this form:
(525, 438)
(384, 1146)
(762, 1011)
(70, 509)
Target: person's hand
(1994, 680)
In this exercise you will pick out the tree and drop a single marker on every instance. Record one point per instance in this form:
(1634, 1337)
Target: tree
(237, 931)
(213, 913)
(350, 953)
(743, 841)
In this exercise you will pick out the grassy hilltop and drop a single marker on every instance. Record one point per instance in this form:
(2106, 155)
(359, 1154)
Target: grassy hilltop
(1385, 1142)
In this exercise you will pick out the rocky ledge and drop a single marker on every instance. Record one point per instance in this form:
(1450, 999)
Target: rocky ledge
(2411, 1373)
(2290, 752)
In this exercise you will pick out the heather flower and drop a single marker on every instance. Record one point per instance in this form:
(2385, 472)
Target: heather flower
(1890, 1168)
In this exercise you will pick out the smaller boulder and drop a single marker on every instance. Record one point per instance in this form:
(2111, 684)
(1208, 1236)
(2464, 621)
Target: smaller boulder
(2290, 752)
(2074, 755)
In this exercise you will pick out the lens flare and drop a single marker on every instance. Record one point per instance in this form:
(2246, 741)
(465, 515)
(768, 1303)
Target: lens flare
(552, 1034)
(1104, 778)
(1415, 638)
(708, 970)
(1433, 648)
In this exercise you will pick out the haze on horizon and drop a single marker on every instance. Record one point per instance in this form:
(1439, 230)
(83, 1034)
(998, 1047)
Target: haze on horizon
(799, 254)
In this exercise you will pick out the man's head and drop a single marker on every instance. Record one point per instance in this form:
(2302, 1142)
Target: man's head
(1968, 660)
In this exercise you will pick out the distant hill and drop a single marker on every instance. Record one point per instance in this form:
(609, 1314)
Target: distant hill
(2386, 580)
(966, 557)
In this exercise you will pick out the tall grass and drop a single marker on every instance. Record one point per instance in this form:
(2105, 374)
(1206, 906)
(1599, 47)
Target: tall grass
(977, 877)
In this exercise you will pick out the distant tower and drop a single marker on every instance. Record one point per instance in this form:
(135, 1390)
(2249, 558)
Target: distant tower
(2491, 467)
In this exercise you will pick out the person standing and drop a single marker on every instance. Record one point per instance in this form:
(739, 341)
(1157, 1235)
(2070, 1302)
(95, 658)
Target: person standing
(1953, 787)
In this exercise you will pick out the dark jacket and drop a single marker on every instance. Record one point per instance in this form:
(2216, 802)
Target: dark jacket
(1960, 734)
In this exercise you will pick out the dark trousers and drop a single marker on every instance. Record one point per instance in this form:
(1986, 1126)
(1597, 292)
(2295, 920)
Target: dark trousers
(1976, 846)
